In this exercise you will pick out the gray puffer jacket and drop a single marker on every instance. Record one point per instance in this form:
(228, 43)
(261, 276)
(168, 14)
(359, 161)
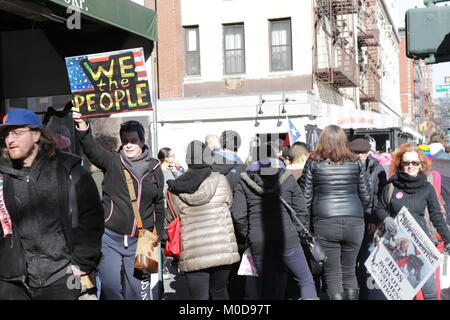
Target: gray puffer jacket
(207, 232)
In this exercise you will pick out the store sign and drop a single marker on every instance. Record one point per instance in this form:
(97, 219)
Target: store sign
(110, 82)
(443, 88)
(80, 4)
(355, 120)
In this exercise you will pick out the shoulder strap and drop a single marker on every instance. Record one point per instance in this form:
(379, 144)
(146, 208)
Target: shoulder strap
(294, 218)
(172, 209)
(285, 175)
(134, 203)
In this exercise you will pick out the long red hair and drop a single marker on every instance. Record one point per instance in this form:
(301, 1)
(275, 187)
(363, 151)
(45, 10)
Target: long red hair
(398, 155)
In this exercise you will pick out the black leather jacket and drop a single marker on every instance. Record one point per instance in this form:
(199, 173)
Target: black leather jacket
(335, 189)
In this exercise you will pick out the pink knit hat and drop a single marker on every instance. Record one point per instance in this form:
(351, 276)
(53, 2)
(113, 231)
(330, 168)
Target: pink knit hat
(385, 159)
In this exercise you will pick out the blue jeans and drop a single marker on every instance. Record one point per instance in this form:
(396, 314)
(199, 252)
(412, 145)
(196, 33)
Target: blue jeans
(341, 238)
(272, 269)
(119, 279)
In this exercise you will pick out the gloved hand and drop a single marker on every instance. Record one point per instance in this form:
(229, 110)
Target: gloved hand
(390, 225)
(447, 249)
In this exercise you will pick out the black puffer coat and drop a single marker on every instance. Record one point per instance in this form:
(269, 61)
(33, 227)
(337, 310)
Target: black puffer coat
(332, 190)
(259, 215)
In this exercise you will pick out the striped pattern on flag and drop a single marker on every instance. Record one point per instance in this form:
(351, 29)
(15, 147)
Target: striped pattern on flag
(139, 61)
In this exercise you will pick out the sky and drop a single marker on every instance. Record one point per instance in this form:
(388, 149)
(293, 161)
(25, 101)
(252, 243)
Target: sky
(440, 70)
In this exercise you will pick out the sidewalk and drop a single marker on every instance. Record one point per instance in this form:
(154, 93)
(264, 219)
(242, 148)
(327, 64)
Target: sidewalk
(175, 286)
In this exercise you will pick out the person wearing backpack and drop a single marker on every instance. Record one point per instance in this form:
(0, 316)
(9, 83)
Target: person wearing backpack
(119, 279)
(409, 187)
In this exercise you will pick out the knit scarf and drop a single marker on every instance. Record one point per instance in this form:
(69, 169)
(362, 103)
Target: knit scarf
(408, 183)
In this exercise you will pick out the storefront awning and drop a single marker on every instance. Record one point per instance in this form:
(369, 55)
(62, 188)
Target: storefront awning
(124, 14)
(35, 38)
(347, 117)
(412, 132)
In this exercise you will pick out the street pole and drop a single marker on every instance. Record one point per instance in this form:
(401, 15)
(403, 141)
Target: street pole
(154, 61)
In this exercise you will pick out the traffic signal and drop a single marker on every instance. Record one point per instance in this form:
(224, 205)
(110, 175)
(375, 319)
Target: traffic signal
(428, 34)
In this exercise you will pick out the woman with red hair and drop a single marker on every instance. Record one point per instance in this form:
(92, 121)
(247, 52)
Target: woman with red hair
(412, 191)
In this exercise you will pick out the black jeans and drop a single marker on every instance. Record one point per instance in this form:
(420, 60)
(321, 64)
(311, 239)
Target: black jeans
(341, 238)
(210, 282)
(59, 290)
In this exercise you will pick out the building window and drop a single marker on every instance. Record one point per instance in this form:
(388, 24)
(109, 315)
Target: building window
(280, 45)
(234, 48)
(192, 51)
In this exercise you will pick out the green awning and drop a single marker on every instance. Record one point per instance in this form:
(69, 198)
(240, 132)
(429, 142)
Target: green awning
(35, 39)
(124, 14)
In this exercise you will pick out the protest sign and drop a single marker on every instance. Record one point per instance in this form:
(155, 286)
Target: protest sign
(109, 82)
(401, 264)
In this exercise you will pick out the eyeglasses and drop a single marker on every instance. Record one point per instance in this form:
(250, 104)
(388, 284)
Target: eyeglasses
(15, 133)
(412, 163)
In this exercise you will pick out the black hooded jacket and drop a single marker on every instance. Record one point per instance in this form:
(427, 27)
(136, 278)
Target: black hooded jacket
(119, 215)
(56, 219)
(260, 217)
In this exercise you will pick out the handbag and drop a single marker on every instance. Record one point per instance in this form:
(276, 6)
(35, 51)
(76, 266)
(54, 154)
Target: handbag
(173, 243)
(147, 253)
(314, 252)
(247, 266)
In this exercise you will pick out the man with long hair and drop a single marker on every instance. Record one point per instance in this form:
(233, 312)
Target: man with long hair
(51, 215)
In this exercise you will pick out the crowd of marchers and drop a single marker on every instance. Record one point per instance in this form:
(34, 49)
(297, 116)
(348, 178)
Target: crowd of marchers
(70, 231)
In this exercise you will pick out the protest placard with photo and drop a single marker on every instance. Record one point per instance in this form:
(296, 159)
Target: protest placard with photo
(109, 82)
(401, 264)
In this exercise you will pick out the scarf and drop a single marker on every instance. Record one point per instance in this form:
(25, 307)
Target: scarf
(408, 183)
(190, 181)
(139, 165)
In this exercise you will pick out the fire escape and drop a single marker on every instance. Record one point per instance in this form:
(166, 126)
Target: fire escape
(369, 55)
(335, 48)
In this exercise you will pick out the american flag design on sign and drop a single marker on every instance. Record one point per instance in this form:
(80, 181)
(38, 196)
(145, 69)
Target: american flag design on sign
(80, 82)
(109, 82)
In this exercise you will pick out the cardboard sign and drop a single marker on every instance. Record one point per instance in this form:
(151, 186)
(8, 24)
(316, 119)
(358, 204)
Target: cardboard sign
(110, 82)
(400, 265)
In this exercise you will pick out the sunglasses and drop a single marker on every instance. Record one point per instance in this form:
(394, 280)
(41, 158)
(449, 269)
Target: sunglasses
(412, 163)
